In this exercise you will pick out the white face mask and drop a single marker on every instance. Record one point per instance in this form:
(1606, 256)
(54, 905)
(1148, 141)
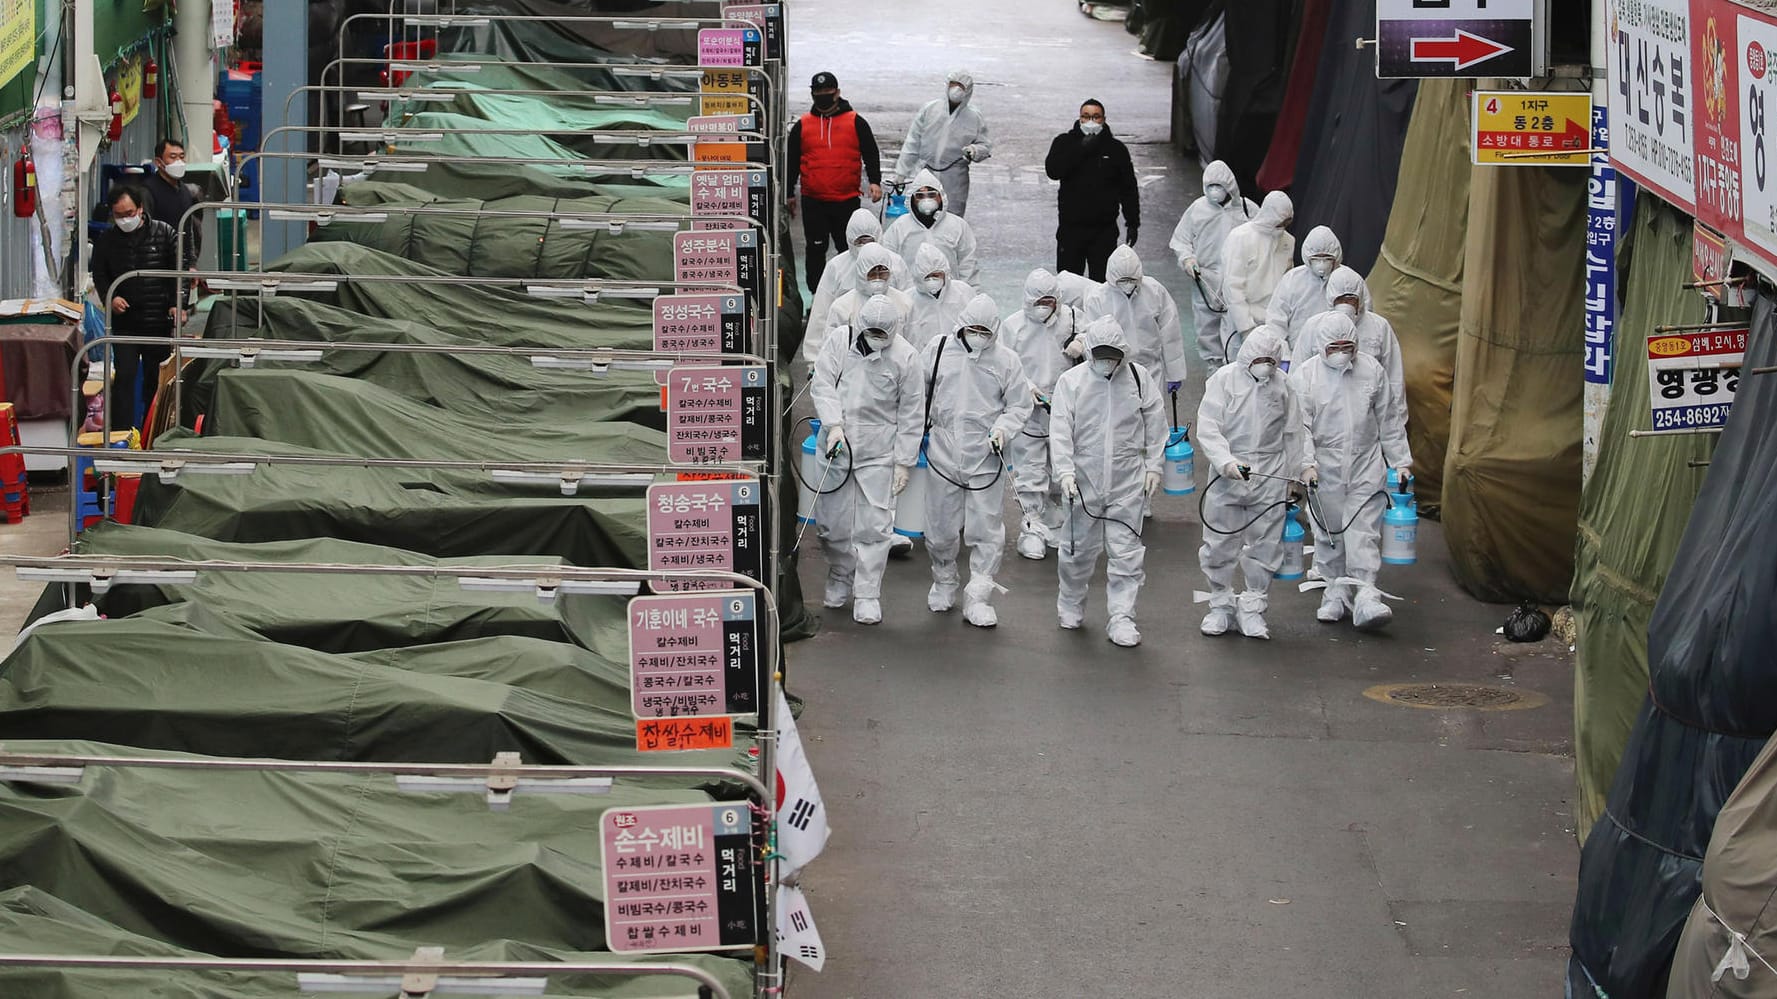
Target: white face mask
(1104, 367)
(1216, 193)
(1321, 266)
(927, 206)
(130, 224)
(1039, 313)
(876, 286)
(1345, 308)
(934, 286)
(1092, 127)
(1340, 360)
(1263, 370)
(877, 339)
(175, 169)
(1129, 285)
(978, 341)
(956, 94)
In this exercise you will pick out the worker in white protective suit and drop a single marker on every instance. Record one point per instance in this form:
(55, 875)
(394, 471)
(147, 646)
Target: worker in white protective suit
(977, 399)
(1355, 429)
(872, 270)
(929, 222)
(868, 395)
(1302, 294)
(946, 136)
(1045, 336)
(1145, 312)
(1250, 429)
(1348, 295)
(1197, 243)
(863, 227)
(1256, 256)
(938, 297)
(1107, 438)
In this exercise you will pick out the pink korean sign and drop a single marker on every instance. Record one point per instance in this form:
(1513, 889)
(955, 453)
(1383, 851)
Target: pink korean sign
(678, 878)
(716, 414)
(705, 526)
(694, 655)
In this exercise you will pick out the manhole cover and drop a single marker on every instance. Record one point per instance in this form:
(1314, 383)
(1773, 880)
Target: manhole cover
(1473, 696)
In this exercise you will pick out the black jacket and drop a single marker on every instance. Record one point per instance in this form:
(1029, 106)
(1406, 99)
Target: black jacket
(116, 253)
(170, 201)
(1097, 178)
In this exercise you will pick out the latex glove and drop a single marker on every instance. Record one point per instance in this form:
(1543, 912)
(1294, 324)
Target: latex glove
(1235, 470)
(1187, 264)
(902, 475)
(1297, 492)
(1070, 488)
(1129, 237)
(835, 441)
(1311, 476)
(1151, 485)
(976, 153)
(1173, 387)
(1404, 472)
(1075, 349)
(997, 439)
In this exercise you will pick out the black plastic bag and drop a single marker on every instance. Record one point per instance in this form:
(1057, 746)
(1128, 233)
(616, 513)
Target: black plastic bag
(1527, 624)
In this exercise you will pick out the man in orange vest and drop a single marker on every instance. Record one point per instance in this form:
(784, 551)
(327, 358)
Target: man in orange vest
(826, 146)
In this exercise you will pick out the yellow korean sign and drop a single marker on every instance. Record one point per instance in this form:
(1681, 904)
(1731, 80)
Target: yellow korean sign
(725, 92)
(1532, 128)
(129, 87)
(18, 37)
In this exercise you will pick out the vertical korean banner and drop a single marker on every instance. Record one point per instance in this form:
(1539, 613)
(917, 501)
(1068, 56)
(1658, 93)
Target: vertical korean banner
(1717, 117)
(1752, 69)
(1652, 97)
(18, 37)
(1601, 252)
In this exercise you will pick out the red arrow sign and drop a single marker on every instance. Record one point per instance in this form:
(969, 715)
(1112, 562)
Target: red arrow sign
(1462, 48)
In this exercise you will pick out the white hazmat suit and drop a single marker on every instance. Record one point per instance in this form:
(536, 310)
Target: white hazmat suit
(1256, 256)
(1256, 422)
(1039, 333)
(1197, 243)
(1107, 439)
(977, 399)
(945, 230)
(863, 227)
(1355, 430)
(1302, 294)
(935, 314)
(869, 396)
(846, 308)
(946, 136)
(1145, 312)
(1374, 334)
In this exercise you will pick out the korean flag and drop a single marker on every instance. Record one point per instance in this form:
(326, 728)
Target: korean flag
(801, 815)
(797, 936)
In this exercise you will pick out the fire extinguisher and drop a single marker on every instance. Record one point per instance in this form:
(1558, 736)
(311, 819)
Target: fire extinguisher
(115, 132)
(150, 79)
(24, 186)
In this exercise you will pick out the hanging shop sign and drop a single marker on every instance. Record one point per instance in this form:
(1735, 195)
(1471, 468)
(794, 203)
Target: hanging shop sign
(1461, 38)
(1692, 378)
(730, 47)
(1601, 252)
(767, 17)
(1531, 128)
(679, 878)
(715, 525)
(18, 37)
(716, 414)
(694, 656)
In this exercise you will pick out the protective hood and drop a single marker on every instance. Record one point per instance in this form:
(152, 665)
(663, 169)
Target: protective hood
(980, 312)
(869, 257)
(1265, 341)
(1336, 327)
(1219, 173)
(926, 178)
(881, 313)
(1346, 281)
(962, 79)
(1320, 242)
(863, 223)
(1276, 212)
(927, 259)
(1104, 332)
(1124, 263)
(1041, 284)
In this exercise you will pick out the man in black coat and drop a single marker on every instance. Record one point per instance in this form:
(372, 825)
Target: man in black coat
(140, 306)
(170, 197)
(1097, 180)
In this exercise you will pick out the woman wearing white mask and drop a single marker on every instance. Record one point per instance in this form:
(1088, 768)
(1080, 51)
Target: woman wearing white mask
(929, 222)
(938, 298)
(946, 136)
(1302, 293)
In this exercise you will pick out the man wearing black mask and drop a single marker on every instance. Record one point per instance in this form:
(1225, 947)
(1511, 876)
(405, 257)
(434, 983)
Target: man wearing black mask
(826, 146)
(1097, 180)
